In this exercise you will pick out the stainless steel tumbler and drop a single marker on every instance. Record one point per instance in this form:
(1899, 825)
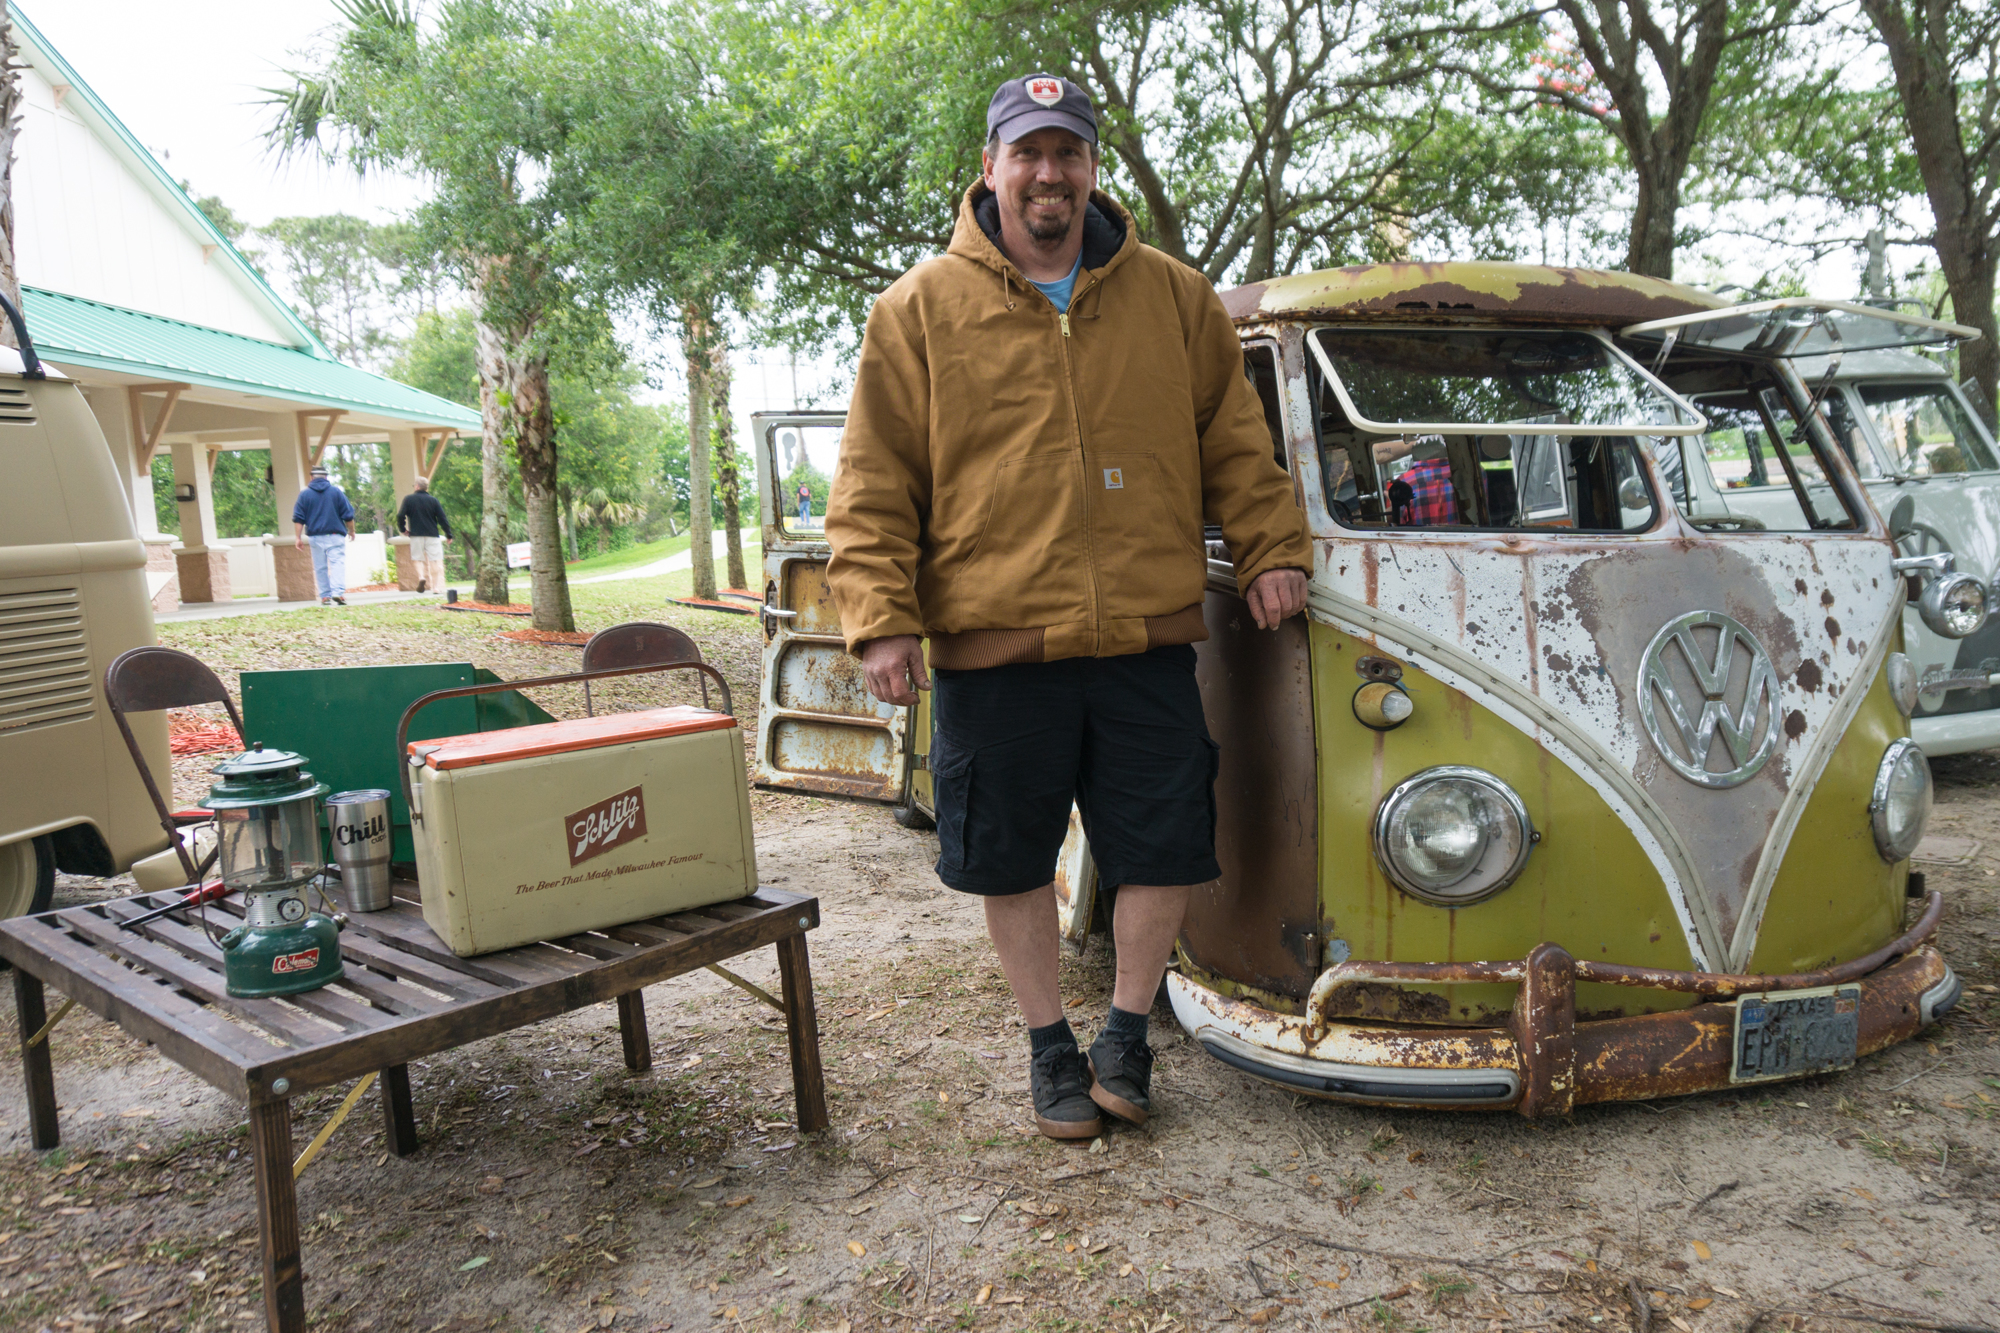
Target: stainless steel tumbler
(359, 824)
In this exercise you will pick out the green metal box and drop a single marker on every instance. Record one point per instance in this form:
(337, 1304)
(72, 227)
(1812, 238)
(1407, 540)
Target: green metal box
(343, 720)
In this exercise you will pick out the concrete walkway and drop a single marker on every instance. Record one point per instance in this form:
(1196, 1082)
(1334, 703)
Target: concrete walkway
(685, 560)
(260, 606)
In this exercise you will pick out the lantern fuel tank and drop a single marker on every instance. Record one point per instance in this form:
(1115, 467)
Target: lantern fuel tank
(538, 832)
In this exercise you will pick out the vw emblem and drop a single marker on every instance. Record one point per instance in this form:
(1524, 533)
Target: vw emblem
(1703, 644)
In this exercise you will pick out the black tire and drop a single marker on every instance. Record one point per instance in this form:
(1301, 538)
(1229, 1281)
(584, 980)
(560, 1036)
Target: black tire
(41, 877)
(910, 817)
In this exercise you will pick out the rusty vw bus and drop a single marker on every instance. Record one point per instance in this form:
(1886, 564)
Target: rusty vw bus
(1562, 790)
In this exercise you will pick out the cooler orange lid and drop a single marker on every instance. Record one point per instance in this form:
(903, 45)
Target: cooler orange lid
(583, 733)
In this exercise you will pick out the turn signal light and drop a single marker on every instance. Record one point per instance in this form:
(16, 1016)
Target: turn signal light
(1382, 706)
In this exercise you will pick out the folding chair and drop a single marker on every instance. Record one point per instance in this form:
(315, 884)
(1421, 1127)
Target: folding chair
(145, 680)
(638, 643)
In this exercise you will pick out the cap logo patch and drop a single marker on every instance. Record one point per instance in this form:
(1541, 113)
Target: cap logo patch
(1046, 91)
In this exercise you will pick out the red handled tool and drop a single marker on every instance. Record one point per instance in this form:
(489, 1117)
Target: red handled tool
(207, 893)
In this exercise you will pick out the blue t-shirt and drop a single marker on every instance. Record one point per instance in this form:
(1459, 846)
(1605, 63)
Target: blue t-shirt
(1060, 290)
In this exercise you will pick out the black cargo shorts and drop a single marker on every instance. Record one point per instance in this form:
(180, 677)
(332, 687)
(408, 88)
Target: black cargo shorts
(1122, 737)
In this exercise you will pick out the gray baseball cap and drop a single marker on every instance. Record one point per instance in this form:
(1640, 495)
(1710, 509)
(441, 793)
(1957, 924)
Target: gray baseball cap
(1040, 102)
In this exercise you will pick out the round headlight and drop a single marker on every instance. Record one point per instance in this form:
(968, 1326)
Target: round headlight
(1902, 682)
(1954, 605)
(1901, 804)
(1453, 836)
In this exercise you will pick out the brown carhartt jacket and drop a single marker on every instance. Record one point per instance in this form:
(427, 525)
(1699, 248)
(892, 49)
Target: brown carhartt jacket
(1022, 484)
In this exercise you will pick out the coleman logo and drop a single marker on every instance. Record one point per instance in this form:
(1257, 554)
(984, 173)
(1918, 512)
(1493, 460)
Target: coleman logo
(305, 960)
(612, 822)
(1697, 689)
(1046, 91)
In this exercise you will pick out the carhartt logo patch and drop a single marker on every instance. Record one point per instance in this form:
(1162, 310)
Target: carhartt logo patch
(1114, 479)
(612, 822)
(1046, 91)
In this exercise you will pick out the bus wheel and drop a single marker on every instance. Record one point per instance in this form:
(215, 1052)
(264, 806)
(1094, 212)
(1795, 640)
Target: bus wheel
(910, 817)
(27, 876)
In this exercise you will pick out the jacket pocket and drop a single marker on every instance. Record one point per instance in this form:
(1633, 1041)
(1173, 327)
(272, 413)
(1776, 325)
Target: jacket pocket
(1145, 535)
(1027, 567)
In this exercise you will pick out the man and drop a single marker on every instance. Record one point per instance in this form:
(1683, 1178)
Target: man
(1042, 419)
(422, 519)
(323, 514)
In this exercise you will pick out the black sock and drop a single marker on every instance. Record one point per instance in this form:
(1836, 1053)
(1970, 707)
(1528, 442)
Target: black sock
(1122, 1024)
(1055, 1034)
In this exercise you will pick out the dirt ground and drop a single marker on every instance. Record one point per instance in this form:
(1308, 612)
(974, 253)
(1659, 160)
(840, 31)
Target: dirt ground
(556, 1192)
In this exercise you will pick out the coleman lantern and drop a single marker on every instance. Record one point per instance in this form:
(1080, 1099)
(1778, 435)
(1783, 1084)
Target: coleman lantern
(266, 811)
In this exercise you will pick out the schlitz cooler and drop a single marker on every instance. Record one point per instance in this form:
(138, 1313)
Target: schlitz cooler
(537, 832)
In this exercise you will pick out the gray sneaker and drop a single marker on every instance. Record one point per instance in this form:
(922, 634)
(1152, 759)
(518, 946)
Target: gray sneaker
(1061, 1087)
(1122, 1072)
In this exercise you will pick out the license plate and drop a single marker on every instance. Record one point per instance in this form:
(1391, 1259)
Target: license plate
(1784, 1034)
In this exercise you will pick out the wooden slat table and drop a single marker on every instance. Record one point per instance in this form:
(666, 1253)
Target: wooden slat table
(405, 996)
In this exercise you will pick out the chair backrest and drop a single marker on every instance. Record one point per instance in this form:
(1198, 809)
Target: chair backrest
(145, 680)
(638, 643)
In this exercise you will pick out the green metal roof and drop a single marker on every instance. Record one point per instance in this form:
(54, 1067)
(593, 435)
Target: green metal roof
(71, 331)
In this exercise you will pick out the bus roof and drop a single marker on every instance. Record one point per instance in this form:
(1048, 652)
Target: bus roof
(1477, 291)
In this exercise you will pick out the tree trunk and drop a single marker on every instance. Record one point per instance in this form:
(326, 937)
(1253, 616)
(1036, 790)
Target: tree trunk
(535, 451)
(1917, 38)
(491, 352)
(1650, 250)
(697, 328)
(11, 104)
(722, 428)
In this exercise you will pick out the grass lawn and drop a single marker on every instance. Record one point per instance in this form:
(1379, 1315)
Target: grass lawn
(634, 556)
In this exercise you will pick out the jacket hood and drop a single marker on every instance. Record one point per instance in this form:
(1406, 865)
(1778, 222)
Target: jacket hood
(1108, 232)
(319, 484)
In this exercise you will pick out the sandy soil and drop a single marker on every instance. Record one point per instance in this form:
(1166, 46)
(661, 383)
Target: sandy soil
(556, 1192)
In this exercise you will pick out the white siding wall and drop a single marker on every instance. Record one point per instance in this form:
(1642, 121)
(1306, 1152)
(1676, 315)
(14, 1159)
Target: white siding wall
(89, 223)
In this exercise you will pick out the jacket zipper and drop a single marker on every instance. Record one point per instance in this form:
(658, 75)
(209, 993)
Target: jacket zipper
(1083, 476)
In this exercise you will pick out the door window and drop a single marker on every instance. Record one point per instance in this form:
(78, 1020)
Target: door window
(1925, 430)
(806, 454)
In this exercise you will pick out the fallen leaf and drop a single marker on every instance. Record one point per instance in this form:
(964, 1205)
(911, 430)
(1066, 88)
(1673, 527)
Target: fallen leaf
(1328, 1283)
(1733, 1295)
(738, 1202)
(383, 1160)
(985, 1295)
(1417, 1156)
(1262, 1316)
(1590, 1264)
(879, 1013)
(1077, 1001)
(475, 1262)
(944, 1098)
(1069, 1247)
(607, 1316)
(1009, 1300)
(1678, 1265)
(786, 1146)
(1680, 1323)
(96, 1273)
(729, 1313)
(859, 1209)
(492, 1185)
(970, 1219)
(71, 1170)
(1097, 1145)
(1864, 1194)
(1124, 1270)
(708, 1184)
(1410, 1193)
(1701, 1251)
(856, 1248)
(1314, 1180)
(1099, 1248)
(1701, 1304)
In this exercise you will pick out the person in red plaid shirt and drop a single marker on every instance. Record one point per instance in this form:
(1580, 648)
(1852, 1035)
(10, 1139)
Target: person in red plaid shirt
(1421, 497)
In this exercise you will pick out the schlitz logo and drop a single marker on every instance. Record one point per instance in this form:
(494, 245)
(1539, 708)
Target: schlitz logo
(305, 960)
(612, 822)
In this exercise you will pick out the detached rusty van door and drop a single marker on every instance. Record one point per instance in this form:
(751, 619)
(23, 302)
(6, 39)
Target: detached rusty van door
(818, 728)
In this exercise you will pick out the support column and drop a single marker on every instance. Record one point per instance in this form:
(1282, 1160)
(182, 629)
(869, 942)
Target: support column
(289, 475)
(203, 565)
(404, 466)
(110, 405)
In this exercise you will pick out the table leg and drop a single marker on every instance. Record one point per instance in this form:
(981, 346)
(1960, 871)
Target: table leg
(278, 1217)
(632, 1027)
(31, 1012)
(399, 1122)
(802, 1027)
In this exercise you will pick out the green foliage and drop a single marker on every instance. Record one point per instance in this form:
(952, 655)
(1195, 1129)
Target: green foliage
(244, 504)
(348, 276)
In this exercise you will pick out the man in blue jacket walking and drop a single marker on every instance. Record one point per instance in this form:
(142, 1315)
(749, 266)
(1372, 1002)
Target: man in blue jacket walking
(323, 515)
